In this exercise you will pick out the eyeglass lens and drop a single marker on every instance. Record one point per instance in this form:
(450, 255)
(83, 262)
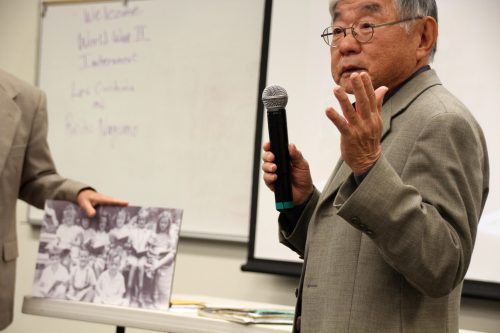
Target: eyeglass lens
(362, 31)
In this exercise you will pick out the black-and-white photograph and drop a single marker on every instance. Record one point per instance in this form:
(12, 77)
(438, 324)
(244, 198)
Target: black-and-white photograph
(122, 256)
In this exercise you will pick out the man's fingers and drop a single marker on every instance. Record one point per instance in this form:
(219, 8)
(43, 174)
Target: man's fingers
(269, 167)
(339, 122)
(269, 180)
(87, 207)
(100, 199)
(370, 93)
(298, 161)
(363, 106)
(88, 199)
(267, 157)
(379, 96)
(113, 201)
(345, 105)
(295, 154)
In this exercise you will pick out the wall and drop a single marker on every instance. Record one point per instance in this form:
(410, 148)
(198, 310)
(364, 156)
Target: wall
(203, 267)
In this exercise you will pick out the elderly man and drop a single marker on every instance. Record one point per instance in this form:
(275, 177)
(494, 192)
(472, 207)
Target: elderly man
(387, 243)
(27, 172)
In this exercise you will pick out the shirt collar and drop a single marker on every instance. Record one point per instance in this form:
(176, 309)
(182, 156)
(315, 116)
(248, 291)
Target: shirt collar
(393, 92)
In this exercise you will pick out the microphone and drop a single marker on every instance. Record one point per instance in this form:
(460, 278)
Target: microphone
(275, 99)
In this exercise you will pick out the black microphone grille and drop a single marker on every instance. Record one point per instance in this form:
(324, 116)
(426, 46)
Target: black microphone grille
(274, 97)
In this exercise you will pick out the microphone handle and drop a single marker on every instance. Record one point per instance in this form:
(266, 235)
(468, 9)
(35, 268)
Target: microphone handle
(278, 135)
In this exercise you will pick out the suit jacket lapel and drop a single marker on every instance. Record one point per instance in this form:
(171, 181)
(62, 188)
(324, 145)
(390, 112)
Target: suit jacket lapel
(405, 96)
(336, 179)
(9, 121)
(393, 107)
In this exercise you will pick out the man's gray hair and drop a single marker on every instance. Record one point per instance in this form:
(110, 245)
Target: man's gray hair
(408, 9)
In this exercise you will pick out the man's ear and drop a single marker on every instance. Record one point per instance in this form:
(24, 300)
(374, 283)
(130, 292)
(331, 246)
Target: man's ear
(428, 33)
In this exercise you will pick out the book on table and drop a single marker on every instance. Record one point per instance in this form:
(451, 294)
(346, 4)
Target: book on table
(249, 315)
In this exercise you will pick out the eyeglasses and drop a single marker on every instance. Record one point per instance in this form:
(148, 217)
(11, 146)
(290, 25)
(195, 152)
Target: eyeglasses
(361, 31)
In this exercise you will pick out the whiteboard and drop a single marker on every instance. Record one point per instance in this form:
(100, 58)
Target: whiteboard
(155, 101)
(300, 62)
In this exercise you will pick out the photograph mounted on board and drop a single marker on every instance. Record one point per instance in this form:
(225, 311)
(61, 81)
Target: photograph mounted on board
(122, 256)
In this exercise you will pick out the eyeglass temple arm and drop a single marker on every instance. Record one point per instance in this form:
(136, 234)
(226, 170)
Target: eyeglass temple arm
(378, 25)
(396, 22)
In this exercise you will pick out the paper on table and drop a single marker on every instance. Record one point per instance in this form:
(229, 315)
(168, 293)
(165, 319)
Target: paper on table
(185, 305)
(249, 315)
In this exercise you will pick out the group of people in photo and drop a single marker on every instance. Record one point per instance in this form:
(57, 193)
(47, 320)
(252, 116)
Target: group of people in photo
(123, 256)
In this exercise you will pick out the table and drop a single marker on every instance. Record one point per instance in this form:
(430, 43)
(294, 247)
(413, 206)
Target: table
(155, 320)
(162, 321)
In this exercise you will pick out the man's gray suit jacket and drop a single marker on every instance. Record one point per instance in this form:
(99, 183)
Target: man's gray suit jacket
(26, 172)
(390, 254)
